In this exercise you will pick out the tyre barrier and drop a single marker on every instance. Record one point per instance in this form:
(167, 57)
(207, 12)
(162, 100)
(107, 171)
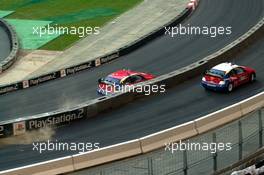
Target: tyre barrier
(95, 62)
(7, 62)
(145, 144)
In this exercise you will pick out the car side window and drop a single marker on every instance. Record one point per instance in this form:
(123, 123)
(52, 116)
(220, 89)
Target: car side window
(232, 73)
(127, 80)
(138, 78)
(239, 70)
(133, 79)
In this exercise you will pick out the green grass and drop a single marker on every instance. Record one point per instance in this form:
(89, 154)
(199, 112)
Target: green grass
(84, 13)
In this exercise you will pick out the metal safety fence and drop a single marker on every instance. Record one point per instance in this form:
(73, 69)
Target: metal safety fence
(243, 137)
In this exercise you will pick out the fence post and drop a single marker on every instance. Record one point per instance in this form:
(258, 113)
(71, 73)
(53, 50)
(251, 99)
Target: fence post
(260, 129)
(150, 166)
(185, 162)
(215, 154)
(240, 140)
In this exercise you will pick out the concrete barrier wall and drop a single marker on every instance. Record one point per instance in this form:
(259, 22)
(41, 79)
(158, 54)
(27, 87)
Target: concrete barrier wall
(5, 64)
(227, 115)
(158, 140)
(252, 104)
(234, 112)
(107, 154)
(218, 118)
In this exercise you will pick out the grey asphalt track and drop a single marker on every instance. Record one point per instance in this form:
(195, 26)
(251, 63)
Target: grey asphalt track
(159, 57)
(183, 103)
(5, 44)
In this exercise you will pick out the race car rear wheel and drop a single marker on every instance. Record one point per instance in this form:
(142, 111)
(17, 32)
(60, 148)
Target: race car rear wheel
(252, 77)
(230, 87)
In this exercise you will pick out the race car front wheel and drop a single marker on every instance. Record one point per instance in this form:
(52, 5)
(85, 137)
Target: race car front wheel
(230, 87)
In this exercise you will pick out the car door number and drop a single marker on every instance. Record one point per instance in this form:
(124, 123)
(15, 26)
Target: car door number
(243, 78)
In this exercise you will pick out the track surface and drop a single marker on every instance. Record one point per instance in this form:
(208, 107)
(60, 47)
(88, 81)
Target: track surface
(183, 103)
(161, 56)
(4, 44)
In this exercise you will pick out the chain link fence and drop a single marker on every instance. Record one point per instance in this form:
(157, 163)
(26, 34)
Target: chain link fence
(245, 137)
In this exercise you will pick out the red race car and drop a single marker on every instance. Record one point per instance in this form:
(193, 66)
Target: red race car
(227, 76)
(117, 80)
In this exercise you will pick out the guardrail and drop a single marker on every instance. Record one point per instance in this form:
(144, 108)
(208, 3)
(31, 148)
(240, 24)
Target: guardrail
(95, 62)
(5, 64)
(145, 144)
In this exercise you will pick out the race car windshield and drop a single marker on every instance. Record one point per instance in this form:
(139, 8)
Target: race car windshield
(216, 72)
(112, 80)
